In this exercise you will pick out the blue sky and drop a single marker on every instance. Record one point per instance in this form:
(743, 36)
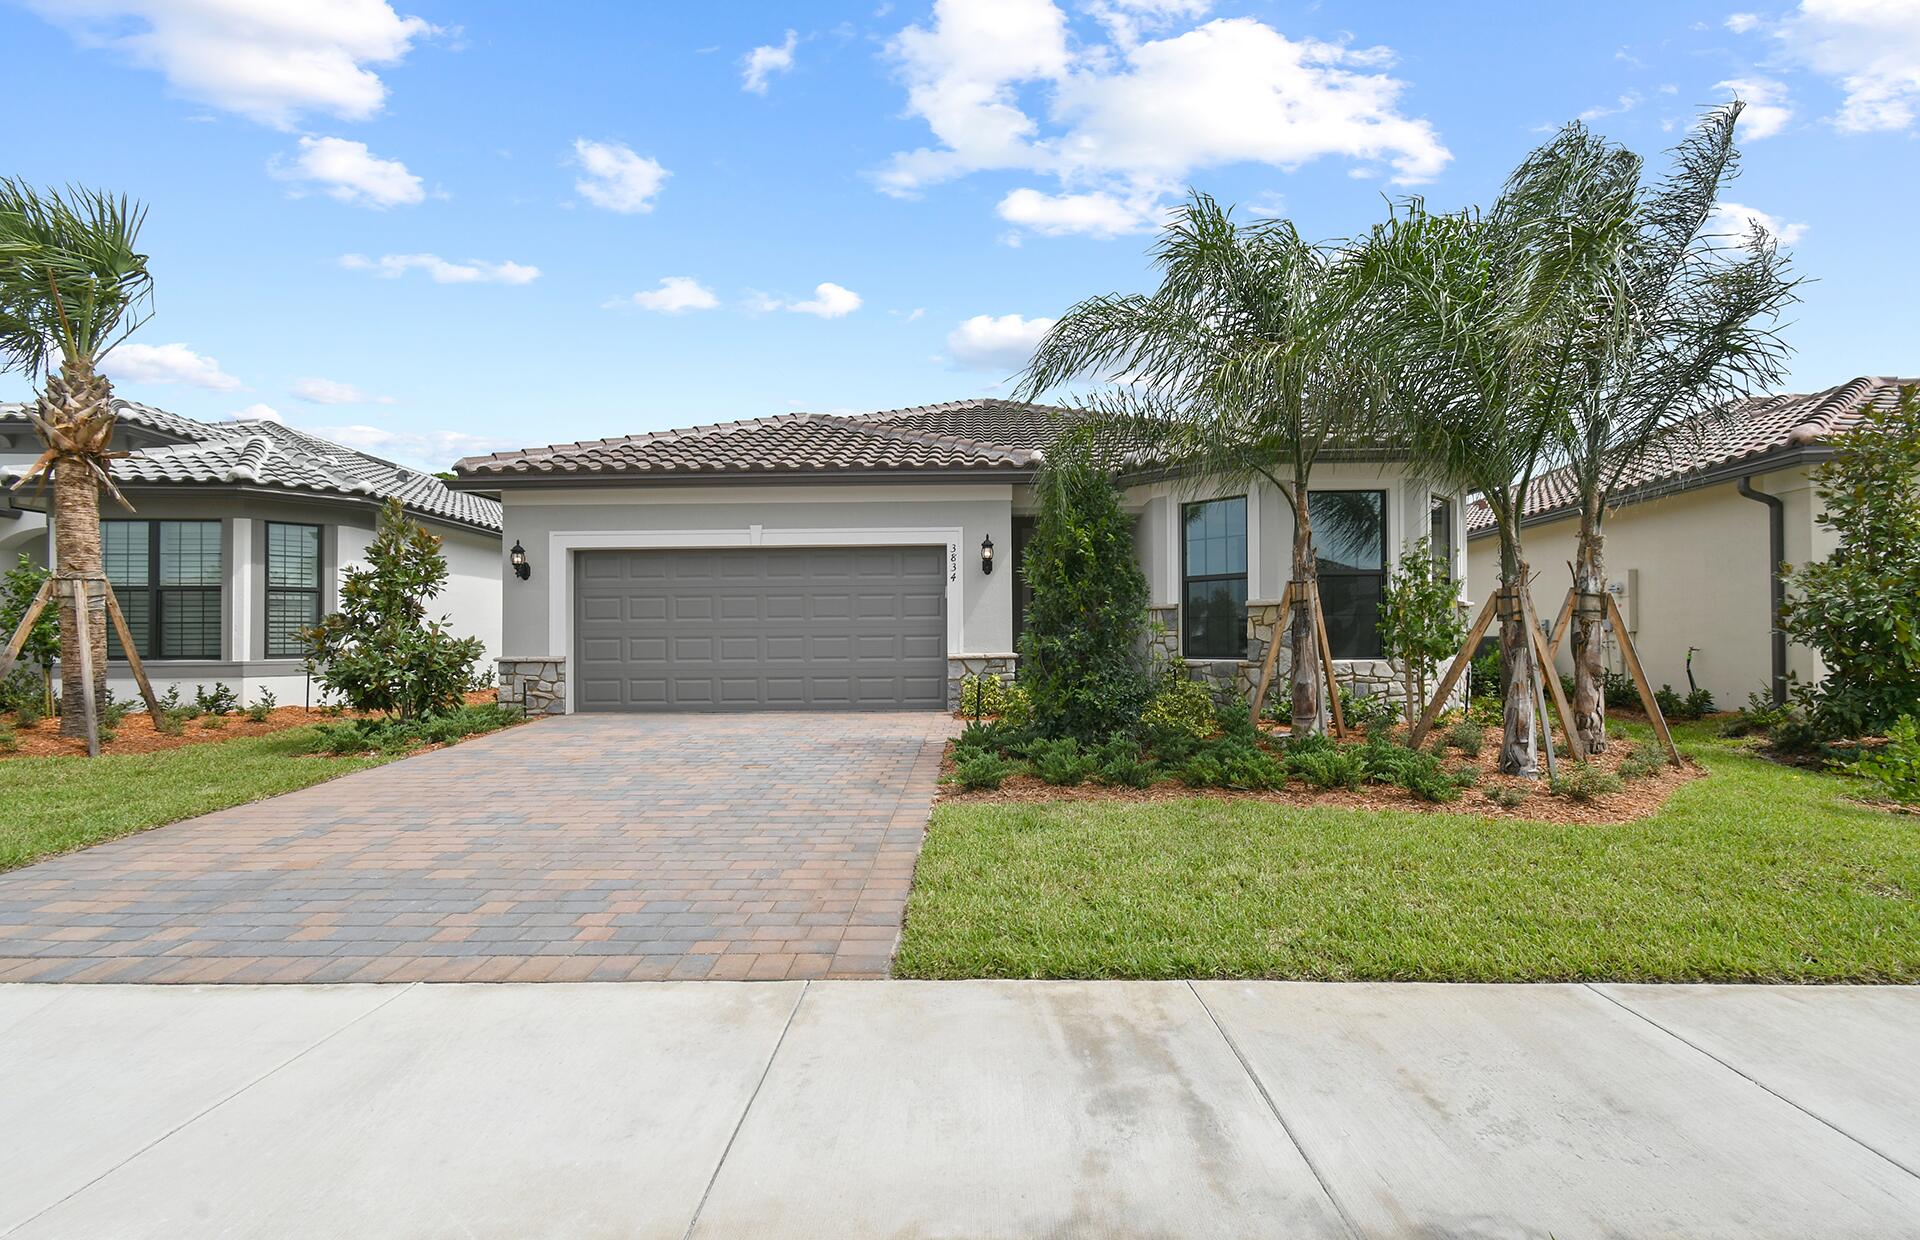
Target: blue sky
(421, 226)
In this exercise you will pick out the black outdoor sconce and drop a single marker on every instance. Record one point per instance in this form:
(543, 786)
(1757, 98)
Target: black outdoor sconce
(518, 558)
(986, 555)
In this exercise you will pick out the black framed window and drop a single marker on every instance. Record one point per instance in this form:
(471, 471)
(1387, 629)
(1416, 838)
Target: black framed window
(1350, 546)
(1214, 579)
(1440, 531)
(168, 577)
(293, 586)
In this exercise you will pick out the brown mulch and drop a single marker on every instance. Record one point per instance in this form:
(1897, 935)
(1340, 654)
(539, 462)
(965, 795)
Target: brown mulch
(136, 734)
(1638, 799)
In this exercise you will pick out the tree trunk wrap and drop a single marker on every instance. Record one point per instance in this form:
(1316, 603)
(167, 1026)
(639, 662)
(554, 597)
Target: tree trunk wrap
(1589, 681)
(1305, 671)
(1518, 750)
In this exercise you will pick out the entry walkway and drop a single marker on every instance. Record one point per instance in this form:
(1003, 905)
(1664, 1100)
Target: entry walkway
(849, 1109)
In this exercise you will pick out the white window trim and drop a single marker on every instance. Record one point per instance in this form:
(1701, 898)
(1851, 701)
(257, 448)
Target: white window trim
(561, 544)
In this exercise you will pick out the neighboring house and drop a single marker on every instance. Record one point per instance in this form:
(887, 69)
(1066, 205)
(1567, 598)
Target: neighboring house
(1695, 538)
(239, 535)
(815, 561)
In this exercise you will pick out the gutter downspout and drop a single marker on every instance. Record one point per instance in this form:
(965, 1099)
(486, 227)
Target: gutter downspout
(1776, 555)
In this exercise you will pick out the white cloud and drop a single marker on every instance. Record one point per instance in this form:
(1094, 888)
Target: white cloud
(762, 63)
(1001, 344)
(1767, 111)
(333, 392)
(427, 450)
(1097, 214)
(1625, 103)
(829, 301)
(1735, 222)
(1872, 47)
(1740, 23)
(615, 177)
(257, 413)
(1003, 87)
(167, 363)
(675, 295)
(351, 173)
(269, 60)
(1126, 20)
(440, 270)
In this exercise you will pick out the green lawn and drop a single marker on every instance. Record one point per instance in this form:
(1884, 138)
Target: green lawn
(1757, 872)
(55, 805)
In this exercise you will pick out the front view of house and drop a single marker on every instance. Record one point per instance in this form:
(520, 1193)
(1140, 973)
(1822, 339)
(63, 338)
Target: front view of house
(869, 562)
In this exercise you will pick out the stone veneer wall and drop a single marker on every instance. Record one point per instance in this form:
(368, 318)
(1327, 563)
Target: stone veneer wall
(537, 686)
(960, 666)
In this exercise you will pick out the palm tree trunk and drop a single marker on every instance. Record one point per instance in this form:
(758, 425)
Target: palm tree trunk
(1518, 751)
(1589, 583)
(76, 539)
(1305, 670)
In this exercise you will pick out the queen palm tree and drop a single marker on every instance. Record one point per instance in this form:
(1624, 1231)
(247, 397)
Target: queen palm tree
(1678, 326)
(1477, 315)
(72, 285)
(1241, 365)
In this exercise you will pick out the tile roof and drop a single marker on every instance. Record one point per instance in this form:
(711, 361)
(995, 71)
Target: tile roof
(969, 435)
(1751, 429)
(277, 457)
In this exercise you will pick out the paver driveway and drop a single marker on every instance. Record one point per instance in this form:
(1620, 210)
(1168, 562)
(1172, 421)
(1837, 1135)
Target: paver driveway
(602, 846)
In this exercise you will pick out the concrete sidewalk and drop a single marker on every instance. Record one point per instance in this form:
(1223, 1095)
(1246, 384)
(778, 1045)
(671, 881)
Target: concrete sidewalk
(847, 1109)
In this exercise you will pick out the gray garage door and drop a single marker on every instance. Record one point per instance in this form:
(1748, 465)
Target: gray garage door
(790, 628)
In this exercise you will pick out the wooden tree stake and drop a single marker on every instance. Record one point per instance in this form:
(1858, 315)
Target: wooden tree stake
(1560, 623)
(133, 656)
(19, 641)
(1326, 661)
(1273, 653)
(78, 588)
(1552, 679)
(1455, 670)
(1632, 659)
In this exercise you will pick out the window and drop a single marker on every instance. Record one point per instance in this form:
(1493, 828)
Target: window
(293, 586)
(1214, 595)
(167, 575)
(1350, 544)
(1440, 531)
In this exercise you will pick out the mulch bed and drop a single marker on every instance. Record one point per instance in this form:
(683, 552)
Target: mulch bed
(1638, 799)
(136, 734)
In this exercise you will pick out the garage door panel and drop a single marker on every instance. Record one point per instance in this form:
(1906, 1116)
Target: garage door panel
(760, 628)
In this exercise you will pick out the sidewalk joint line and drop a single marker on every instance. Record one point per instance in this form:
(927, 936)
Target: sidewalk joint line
(740, 1123)
(1346, 1220)
(213, 1106)
(1750, 1079)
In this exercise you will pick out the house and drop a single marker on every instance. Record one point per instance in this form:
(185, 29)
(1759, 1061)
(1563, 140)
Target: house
(239, 535)
(823, 561)
(1695, 538)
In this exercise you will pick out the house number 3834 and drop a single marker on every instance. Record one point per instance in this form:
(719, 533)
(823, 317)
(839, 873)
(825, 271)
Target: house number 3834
(953, 562)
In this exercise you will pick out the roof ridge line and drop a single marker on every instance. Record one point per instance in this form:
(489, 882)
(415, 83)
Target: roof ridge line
(1015, 456)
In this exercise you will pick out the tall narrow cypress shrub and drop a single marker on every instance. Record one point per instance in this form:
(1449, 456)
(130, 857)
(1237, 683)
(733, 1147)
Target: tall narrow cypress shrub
(1083, 650)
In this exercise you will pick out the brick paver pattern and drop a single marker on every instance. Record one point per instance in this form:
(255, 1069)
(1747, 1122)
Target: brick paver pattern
(593, 847)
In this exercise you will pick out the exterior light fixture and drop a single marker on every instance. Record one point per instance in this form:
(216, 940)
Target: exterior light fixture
(518, 558)
(986, 555)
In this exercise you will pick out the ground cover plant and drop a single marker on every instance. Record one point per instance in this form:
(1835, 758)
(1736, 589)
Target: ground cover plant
(1754, 872)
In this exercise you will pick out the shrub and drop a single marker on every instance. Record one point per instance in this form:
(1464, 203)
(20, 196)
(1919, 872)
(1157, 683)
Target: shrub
(1507, 796)
(1583, 783)
(169, 723)
(262, 707)
(392, 734)
(1420, 620)
(1758, 717)
(1419, 773)
(982, 769)
(1082, 648)
(1181, 705)
(27, 712)
(22, 686)
(1695, 704)
(379, 651)
(1060, 761)
(1860, 607)
(42, 646)
(1895, 766)
(982, 696)
(222, 701)
(1618, 690)
(1247, 767)
(1372, 713)
(1327, 769)
(1121, 763)
(1484, 682)
(9, 739)
(213, 722)
(1466, 736)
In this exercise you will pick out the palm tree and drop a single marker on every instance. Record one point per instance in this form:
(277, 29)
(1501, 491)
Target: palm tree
(1679, 326)
(72, 286)
(1240, 365)
(1475, 316)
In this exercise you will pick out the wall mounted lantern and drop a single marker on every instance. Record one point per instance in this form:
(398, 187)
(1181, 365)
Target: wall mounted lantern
(518, 558)
(986, 555)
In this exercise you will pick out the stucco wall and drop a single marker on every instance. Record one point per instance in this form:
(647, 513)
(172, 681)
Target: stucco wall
(1697, 565)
